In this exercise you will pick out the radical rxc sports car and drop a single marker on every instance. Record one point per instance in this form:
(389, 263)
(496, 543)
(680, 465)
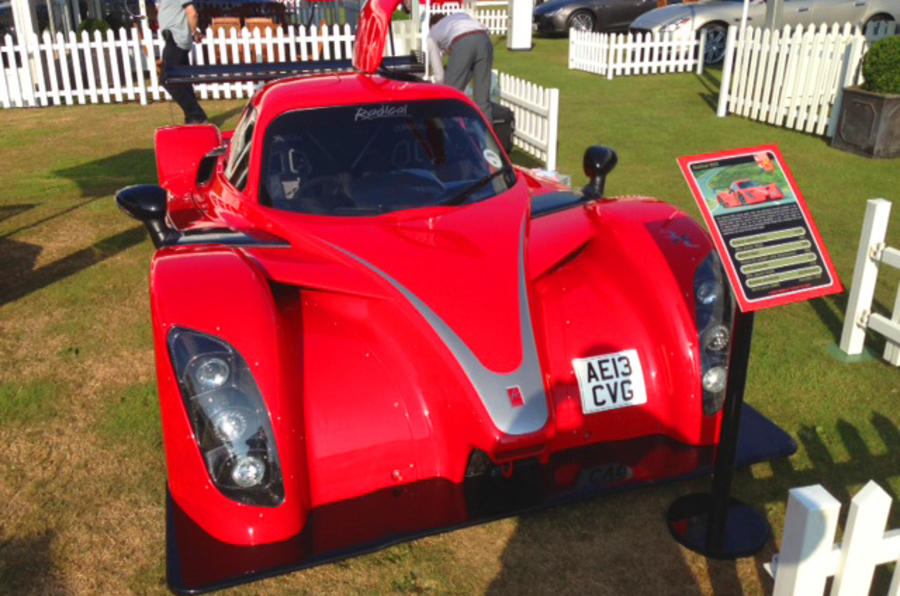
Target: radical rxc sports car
(747, 192)
(370, 326)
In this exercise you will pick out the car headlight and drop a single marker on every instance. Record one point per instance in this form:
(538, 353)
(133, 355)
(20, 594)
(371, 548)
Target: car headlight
(551, 13)
(675, 25)
(715, 311)
(230, 421)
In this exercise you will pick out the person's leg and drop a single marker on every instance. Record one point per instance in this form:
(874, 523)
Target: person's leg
(481, 74)
(459, 65)
(193, 113)
(182, 94)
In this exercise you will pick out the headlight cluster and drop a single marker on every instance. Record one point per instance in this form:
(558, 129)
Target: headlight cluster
(715, 310)
(675, 25)
(230, 421)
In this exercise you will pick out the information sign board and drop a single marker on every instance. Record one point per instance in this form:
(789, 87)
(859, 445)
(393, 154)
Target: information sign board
(763, 231)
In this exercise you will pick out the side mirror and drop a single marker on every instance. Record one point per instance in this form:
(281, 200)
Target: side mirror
(598, 162)
(147, 204)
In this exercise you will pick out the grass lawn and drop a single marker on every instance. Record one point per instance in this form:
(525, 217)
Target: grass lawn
(82, 476)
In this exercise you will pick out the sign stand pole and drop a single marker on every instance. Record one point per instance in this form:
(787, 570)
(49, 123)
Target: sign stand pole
(714, 524)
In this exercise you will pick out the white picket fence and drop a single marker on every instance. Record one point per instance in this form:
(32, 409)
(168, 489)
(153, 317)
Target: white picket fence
(537, 116)
(794, 77)
(121, 65)
(871, 254)
(612, 55)
(808, 555)
(496, 20)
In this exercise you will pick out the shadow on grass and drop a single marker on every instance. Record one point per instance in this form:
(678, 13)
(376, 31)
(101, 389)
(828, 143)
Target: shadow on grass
(7, 211)
(600, 546)
(26, 566)
(96, 179)
(712, 83)
(22, 279)
(221, 118)
(831, 311)
(103, 177)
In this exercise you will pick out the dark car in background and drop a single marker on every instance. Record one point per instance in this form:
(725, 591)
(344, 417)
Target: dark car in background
(558, 16)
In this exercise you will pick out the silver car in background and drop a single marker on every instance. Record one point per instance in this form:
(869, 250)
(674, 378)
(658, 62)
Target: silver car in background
(712, 17)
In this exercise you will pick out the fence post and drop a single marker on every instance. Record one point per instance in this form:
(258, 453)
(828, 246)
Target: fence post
(892, 354)
(862, 538)
(552, 126)
(726, 72)
(701, 49)
(809, 527)
(865, 274)
(26, 85)
(38, 62)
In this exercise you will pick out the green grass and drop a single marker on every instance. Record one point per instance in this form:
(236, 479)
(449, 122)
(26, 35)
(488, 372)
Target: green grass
(28, 403)
(83, 469)
(132, 418)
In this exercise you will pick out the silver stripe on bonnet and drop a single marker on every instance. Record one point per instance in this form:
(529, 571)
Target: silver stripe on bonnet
(490, 386)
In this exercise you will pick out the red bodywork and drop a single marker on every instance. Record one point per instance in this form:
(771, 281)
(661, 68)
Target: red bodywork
(355, 409)
(746, 192)
(339, 324)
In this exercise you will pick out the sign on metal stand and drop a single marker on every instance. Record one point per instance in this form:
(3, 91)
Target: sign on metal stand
(772, 254)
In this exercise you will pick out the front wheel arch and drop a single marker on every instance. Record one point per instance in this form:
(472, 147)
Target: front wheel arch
(581, 20)
(881, 17)
(716, 32)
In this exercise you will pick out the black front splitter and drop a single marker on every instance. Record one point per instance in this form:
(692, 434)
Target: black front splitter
(197, 562)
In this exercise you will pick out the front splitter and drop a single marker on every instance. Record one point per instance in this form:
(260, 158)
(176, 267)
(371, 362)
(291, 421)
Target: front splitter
(197, 562)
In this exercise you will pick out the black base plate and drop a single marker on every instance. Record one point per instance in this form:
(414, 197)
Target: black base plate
(745, 530)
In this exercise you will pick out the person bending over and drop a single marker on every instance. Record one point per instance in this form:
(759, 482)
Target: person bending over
(470, 55)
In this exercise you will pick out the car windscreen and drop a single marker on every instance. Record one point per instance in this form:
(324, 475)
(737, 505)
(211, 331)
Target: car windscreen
(746, 184)
(377, 158)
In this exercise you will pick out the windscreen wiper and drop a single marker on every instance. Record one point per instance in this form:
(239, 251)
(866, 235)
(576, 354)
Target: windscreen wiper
(462, 196)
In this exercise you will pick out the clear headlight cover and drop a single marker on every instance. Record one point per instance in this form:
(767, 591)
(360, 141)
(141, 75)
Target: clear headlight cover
(715, 310)
(229, 418)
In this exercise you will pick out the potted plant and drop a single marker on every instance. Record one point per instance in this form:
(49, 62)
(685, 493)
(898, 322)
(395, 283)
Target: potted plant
(869, 122)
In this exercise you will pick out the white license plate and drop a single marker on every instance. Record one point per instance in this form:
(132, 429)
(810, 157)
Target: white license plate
(610, 381)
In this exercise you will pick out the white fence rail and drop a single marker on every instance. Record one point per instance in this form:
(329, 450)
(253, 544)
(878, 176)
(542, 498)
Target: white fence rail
(871, 254)
(794, 77)
(121, 65)
(809, 556)
(621, 54)
(537, 116)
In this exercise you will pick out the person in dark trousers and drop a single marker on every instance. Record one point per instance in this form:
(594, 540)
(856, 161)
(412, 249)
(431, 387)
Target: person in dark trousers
(471, 55)
(178, 23)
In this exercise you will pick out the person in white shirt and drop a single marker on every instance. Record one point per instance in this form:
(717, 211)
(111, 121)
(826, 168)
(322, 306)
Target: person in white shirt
(470, 52)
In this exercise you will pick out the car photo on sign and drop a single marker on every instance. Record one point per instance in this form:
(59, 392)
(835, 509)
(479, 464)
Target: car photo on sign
(743, 186)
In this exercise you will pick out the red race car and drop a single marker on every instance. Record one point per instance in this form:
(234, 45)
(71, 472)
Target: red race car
(370, 326)
(747, 192)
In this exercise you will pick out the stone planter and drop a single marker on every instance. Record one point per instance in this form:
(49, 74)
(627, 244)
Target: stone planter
(869, 123)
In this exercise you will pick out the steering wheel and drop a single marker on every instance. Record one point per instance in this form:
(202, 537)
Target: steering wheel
(326, 190)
